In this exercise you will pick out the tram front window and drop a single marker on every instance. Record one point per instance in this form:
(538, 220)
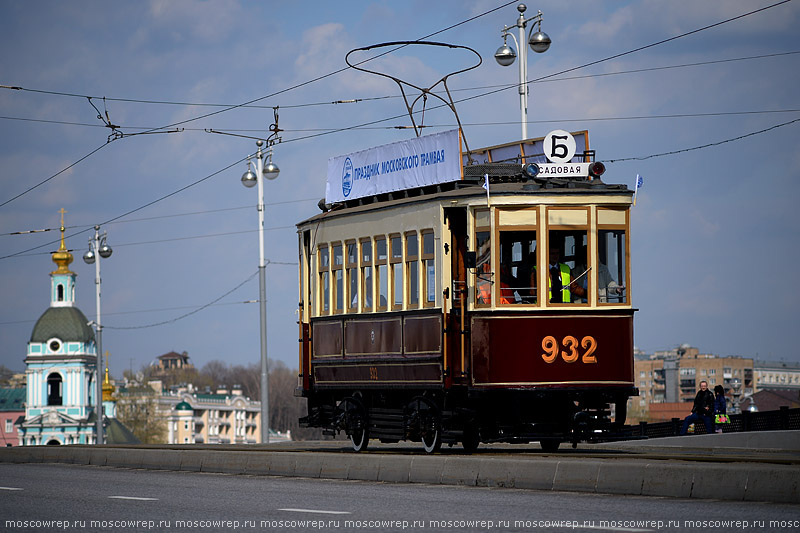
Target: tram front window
(517, 267)
(612, 268)
(568, 271)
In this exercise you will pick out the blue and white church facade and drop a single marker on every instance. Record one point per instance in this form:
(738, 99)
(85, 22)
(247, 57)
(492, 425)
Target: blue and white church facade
(61, 367)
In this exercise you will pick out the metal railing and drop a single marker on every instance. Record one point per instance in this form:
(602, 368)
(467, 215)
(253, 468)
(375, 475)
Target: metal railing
(781, 420)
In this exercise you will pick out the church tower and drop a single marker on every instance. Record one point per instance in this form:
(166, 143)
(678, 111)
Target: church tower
(61, 366)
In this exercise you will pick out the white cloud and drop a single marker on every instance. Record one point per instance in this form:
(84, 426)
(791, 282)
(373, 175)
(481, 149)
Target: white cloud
(209, 21)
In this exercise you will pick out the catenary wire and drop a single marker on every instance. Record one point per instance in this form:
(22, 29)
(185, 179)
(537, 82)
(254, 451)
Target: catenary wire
(673, 152)
(608, 58)
(548, 76)
(190, 313)
(159, 217)
(364, 99)
(503, 123)
(230, 108)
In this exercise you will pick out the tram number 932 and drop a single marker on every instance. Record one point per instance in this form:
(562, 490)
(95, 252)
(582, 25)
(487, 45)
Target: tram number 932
(570, 350)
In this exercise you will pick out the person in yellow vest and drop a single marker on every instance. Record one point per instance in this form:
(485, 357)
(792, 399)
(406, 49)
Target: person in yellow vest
(561, 281)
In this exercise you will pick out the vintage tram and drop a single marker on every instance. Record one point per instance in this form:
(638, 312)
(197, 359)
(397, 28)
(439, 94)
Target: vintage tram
(492, 308)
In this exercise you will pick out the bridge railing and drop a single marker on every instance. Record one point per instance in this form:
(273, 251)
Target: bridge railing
(782, 419)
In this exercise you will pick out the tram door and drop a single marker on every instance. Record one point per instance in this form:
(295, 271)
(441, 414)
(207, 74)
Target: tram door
(304, 310)
(457, 356)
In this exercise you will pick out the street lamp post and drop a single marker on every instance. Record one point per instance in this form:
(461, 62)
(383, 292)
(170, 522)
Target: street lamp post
(505, 55)
(98, 248)
(265, 168)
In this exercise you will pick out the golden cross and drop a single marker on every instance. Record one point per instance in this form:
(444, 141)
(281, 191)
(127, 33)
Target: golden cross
(63, 244)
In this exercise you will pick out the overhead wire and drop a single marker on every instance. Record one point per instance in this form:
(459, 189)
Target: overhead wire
(505, 123)
(26, 191)
(297, 86)
(240, 105)
(366, 99)
(673, 152)
(585, 65)
(552, 75)
(159, 217)
(230, 108)
(190, 313)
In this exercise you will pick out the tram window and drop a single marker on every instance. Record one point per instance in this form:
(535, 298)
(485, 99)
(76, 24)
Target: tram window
(366, 274)
(412, 268)
(324, 279)
(428, 260)
(352, 277)
(517, 267)
(611, 267)
(338, 279)
(397, 271)
(568, 271)
(483, 267)
(381, 268)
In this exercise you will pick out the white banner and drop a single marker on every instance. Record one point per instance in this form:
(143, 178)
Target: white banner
(417, 162)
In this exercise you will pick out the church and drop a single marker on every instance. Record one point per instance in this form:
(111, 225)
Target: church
(62, 368)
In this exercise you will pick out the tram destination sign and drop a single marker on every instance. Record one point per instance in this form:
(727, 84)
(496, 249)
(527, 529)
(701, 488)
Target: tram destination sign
(417, 162)
(563, 170)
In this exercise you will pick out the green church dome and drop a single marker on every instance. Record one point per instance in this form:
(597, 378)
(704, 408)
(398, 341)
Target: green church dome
(183, 406)
(65, 323)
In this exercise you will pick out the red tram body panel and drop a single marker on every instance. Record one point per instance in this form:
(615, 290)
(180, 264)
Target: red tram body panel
(581, 351)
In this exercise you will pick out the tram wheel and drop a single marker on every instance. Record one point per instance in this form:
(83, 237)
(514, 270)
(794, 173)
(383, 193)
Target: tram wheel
(621, 409)
(550, 445)
(432, 439)
(471, 438)
(355, 423)
(360, 439)
(430, 424)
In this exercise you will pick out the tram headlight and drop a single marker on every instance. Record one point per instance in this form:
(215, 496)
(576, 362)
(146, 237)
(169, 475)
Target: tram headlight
(596, 169)
(531, 170)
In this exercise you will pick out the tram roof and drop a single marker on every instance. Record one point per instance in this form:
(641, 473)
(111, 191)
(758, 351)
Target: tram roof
(504, 180)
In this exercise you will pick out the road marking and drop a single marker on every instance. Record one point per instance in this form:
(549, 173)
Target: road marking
(315, 511)
(629, 529)
(133, 498)
(10, 488)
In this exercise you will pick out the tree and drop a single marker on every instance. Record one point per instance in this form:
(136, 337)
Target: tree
(286, 409)
(139, 411)
(5, 376)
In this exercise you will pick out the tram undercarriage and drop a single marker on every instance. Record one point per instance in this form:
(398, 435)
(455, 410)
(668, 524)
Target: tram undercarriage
(469, 417)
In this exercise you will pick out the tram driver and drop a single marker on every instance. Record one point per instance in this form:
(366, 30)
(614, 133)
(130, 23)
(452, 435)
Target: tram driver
(561, 280)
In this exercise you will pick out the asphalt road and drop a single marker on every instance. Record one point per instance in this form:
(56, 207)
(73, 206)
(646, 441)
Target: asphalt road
(86, 498)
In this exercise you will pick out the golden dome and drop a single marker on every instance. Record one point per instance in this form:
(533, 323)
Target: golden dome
(62, 257)
(108, 388)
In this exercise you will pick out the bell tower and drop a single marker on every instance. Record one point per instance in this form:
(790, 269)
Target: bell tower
(61, 365)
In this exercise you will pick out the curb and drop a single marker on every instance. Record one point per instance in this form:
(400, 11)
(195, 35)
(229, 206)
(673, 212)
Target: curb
(736, 481)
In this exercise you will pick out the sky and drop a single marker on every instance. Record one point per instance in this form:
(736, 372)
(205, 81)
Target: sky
(705, 115)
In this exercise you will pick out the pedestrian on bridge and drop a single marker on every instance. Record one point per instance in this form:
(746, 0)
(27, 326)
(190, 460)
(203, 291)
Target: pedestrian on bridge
(703, 409)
